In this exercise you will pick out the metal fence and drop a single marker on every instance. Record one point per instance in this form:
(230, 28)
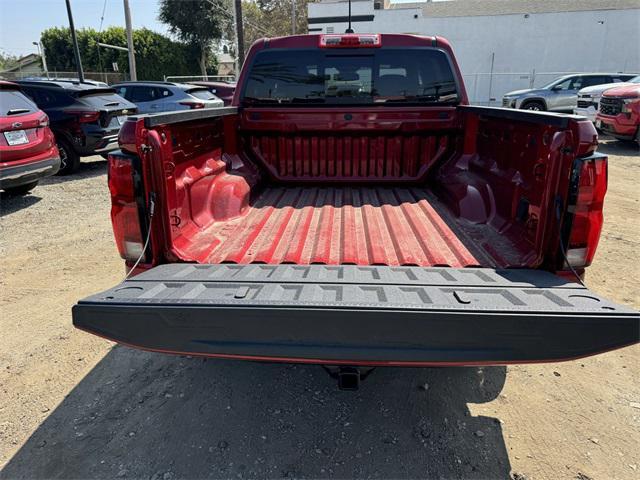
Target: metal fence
(191, 78)
(107, 77)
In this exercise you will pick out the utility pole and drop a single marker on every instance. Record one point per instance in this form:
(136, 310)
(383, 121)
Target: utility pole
(132, 53)
(293, 17)
(74, 39)
(239, 33)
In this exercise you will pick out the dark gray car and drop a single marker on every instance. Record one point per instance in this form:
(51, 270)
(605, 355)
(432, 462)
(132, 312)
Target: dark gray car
(154, 97)
(561, 95)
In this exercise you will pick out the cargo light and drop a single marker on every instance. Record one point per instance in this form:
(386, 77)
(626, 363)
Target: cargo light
(350, 41)
(587, 193)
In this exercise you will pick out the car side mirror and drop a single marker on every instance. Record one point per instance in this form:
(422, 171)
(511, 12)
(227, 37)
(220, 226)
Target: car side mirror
(556, 88)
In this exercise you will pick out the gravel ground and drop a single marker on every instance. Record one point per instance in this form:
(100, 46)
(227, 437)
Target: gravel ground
(75, 406)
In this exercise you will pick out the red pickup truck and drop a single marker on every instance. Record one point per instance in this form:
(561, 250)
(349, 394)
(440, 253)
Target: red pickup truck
(619, 113)
(351, 209)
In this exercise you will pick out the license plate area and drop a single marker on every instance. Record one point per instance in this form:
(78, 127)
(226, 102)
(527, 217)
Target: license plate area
(16, 137)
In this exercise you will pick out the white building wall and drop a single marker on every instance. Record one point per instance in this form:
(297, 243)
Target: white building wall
(547, 43)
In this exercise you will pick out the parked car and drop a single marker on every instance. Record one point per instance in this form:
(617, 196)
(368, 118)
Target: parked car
(85, 119)
(223, 90)
(319, 219)
(28, 150)
(589, 98)
(561, 95)
(619, 113)
(154, 97)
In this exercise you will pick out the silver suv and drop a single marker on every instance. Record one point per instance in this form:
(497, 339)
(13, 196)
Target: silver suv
(153, 97)
(561, 95)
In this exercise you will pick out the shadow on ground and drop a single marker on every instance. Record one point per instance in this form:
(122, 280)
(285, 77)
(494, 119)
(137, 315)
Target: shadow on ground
(143, 415)
(12, 203)
(610, 146)
(89, 167)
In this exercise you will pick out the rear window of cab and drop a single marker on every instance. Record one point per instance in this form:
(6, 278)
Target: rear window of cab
(351, 76)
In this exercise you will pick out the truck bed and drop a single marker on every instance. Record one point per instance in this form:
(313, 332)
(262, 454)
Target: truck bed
(338, 225)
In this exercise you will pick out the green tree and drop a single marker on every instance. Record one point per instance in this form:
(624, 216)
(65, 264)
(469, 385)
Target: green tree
(198, 22)
(156, 55)
(7, 60)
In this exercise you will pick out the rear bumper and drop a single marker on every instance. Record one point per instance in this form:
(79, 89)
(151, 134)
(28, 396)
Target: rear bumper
(15, 176)
(357, 315)
(96, 144)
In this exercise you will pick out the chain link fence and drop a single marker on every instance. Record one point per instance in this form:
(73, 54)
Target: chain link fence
(106, 77)
(193, 78)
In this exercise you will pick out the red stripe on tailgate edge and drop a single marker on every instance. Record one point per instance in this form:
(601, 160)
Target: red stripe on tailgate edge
(341, 225)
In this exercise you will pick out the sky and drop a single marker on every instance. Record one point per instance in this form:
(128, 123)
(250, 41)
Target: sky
(22, 21)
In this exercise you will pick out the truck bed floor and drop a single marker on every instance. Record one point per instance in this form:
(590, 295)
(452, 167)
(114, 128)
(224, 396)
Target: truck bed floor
(340, 225)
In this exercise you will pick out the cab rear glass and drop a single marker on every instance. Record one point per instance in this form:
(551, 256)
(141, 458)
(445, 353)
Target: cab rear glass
(351, 76)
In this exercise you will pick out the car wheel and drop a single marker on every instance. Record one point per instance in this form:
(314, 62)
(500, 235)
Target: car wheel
(535, 106)
(21, 189)
(69, 159)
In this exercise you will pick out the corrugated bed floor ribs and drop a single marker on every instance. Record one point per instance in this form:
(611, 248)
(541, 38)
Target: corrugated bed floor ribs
(341, 225)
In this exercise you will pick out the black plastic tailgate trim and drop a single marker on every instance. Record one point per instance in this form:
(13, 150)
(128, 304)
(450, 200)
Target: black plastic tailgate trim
(377, 313)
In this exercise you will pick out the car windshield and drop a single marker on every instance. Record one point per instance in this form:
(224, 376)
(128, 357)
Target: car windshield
(557, 81)
(12, 102)
(635, 79)
(353, 76)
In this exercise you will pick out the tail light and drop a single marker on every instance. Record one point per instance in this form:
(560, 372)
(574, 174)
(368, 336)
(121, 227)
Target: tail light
(43, 121)
(350, 41)
(193, 105)
(125, 211)
(85, 116)
(586, 200)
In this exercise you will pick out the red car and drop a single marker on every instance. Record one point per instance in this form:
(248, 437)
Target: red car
(28, 149)
(619, 113)
(223, 90)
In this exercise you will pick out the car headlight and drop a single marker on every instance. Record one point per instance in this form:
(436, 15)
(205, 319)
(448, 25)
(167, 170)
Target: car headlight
(627, 104)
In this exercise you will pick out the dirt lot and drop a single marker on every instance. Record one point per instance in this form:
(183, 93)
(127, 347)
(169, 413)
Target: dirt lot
(75, 406)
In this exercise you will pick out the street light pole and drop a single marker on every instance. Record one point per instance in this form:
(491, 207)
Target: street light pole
(132, 55)
(74, 39)
(42, 57)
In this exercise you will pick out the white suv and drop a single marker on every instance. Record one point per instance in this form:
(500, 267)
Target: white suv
(589, 97)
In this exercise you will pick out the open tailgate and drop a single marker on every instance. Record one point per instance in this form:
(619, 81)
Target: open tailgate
(350, 314)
